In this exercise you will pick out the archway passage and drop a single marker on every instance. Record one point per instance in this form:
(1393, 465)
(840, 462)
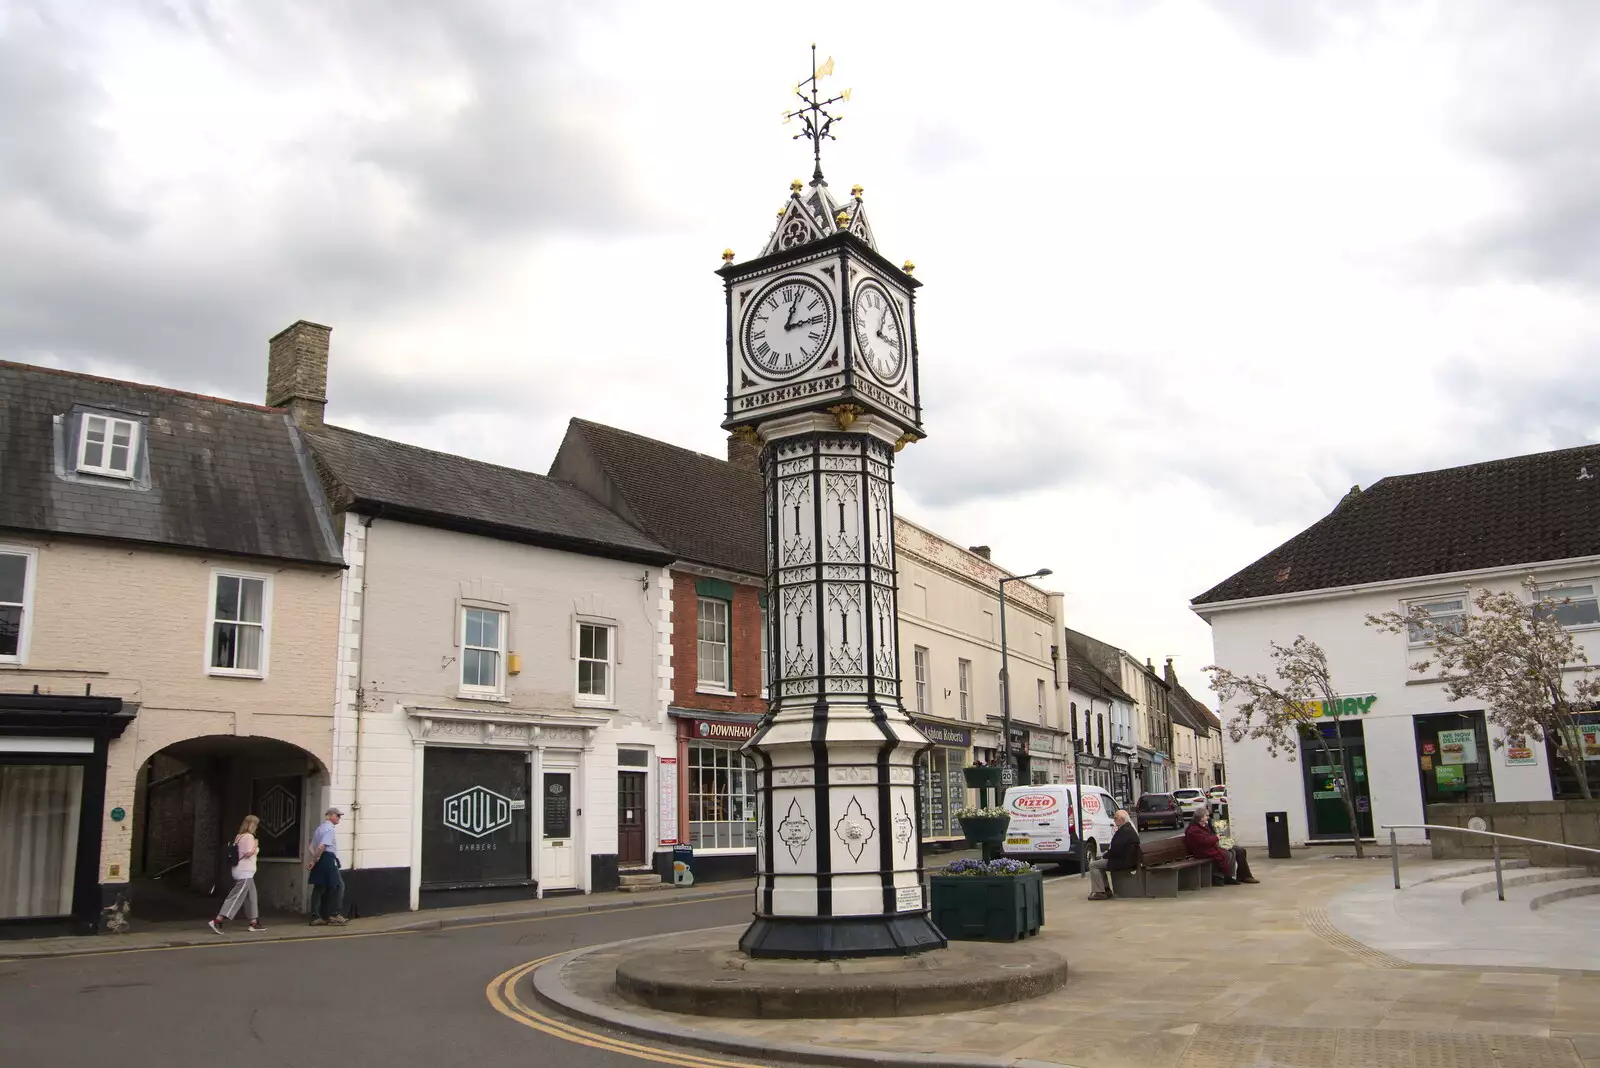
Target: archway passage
(189, 800)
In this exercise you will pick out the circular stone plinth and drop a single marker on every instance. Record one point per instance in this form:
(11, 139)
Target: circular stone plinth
(725, 982)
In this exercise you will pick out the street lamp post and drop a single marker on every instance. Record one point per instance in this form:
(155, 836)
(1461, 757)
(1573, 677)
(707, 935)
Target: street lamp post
(1005, 679)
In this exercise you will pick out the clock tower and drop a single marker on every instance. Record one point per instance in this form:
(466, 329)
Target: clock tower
(822, 374)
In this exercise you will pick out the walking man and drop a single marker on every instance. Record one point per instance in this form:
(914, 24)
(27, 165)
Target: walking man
(1121, 855)
(245, 849)
(327, 885)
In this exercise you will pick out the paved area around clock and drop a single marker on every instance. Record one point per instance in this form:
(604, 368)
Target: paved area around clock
(1247, 975)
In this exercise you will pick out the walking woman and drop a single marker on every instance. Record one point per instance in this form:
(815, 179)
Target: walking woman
(244, 848)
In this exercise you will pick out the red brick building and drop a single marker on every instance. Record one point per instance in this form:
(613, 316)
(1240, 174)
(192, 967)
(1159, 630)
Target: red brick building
(709, 512)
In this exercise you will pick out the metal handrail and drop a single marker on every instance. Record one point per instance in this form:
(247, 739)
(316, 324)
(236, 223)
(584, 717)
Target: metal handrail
(1499, 878)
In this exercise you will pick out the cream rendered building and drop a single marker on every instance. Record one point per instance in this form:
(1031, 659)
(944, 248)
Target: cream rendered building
(950, 669)
(169, 604)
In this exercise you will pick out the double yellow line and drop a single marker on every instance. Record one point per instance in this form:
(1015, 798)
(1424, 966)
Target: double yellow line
(502, 993)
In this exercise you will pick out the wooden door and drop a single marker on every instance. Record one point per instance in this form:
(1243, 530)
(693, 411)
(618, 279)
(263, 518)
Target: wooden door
(557, 864)
(631, 852)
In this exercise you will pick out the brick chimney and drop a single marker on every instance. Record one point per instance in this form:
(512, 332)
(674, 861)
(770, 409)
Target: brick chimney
(297, 372)
(744, 451)
(980, 550)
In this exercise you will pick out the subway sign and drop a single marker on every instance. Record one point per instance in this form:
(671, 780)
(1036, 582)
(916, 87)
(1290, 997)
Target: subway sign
(1340, 706)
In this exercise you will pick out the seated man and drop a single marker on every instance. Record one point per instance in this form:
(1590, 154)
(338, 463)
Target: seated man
(1121, 855)
(1203, 843)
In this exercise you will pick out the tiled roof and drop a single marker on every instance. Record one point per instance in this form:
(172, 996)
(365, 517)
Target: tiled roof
(1191, 711)
(213, 475)
(367, 473)
(705, 510)
(1085, 677)
(1504, 513)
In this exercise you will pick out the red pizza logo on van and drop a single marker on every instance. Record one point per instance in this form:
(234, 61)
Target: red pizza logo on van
(1033, 803)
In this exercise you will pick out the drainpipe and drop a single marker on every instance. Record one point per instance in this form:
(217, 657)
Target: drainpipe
(361, 654)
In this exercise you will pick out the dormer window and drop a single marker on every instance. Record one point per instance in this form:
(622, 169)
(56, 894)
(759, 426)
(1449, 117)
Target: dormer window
(108, 446)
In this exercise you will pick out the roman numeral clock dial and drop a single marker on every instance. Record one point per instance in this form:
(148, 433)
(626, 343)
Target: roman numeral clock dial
(880, 337)
(787, 327)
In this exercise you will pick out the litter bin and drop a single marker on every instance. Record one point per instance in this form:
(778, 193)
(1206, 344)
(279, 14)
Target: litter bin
(682, 866)
(1278, 835)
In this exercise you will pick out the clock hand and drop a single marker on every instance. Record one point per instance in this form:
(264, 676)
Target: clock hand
(793, 305)
(810, 321)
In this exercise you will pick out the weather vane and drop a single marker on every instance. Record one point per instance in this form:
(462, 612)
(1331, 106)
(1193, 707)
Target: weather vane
(818, 123)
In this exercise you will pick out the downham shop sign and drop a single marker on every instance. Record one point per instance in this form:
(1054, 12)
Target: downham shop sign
(725, 732)
(1341, 706)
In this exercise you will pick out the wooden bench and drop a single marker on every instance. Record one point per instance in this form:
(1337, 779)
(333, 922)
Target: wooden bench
(1165, 867)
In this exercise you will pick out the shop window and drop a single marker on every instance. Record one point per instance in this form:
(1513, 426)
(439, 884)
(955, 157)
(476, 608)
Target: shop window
(1575, 605)
(1453, 758)
(238, 633)
(713, 644)
(944, 790)
(40, 805)
(483, 647)
(722, 798)
(16, 573)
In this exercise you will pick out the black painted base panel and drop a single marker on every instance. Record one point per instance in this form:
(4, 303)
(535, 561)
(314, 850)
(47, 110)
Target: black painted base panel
(375, 891)
(474, 895)
(833, 937)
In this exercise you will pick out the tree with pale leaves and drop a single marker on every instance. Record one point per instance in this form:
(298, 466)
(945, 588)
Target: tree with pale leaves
(1512, 653)
(1281, 713)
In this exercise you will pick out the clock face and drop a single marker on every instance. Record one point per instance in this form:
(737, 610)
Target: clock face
(880, 338)
(788, 326)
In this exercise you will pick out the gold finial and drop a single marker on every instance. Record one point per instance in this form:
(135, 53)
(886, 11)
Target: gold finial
(782, 212)
(842, 219)
(908, 267)
(796, 185)
(856, 191)
(727, 255)
(846, 414)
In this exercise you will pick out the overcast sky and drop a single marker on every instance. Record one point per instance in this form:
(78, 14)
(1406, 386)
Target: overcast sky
(1192, 269)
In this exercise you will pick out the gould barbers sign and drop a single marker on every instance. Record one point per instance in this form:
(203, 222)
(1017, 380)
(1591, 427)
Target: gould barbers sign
(939, 734)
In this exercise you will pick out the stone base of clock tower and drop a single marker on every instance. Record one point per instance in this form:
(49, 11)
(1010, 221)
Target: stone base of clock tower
(833, 937)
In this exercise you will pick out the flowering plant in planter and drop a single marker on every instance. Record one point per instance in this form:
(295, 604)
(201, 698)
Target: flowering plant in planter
(1002, 866)
(972, 812)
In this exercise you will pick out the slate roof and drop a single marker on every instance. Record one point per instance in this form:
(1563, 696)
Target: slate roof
(1085, 677)
(214, 475)
(1504, 513)
(704, 509)
(374, 475)
(1191, 711)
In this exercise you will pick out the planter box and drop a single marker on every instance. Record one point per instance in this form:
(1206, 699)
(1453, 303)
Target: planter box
(979, 777)
(980, 829)
(987, 908)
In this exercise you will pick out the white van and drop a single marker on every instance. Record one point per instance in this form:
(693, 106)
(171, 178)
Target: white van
(1044, 819)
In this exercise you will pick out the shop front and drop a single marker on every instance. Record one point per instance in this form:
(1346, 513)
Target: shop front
(717, 795)
(52, 793)
(499, 809)
(940, 780)
(1334, 760)
(1047, 749)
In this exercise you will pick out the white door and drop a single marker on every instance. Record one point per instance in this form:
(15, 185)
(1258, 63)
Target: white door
(558, 868)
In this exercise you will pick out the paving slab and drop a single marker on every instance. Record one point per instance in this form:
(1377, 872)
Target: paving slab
(1221, 977)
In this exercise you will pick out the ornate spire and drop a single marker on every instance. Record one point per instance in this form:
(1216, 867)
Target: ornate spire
(817, 122)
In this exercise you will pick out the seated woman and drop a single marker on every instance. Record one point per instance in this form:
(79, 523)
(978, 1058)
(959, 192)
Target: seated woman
(1203, 843)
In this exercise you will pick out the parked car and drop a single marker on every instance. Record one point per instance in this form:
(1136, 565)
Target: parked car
(1217, 795)
(1044, 823)
(1189, 800)
(1157, 810)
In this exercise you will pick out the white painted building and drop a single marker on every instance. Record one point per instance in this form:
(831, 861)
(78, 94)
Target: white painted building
(1409, 539)
(503, 678)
